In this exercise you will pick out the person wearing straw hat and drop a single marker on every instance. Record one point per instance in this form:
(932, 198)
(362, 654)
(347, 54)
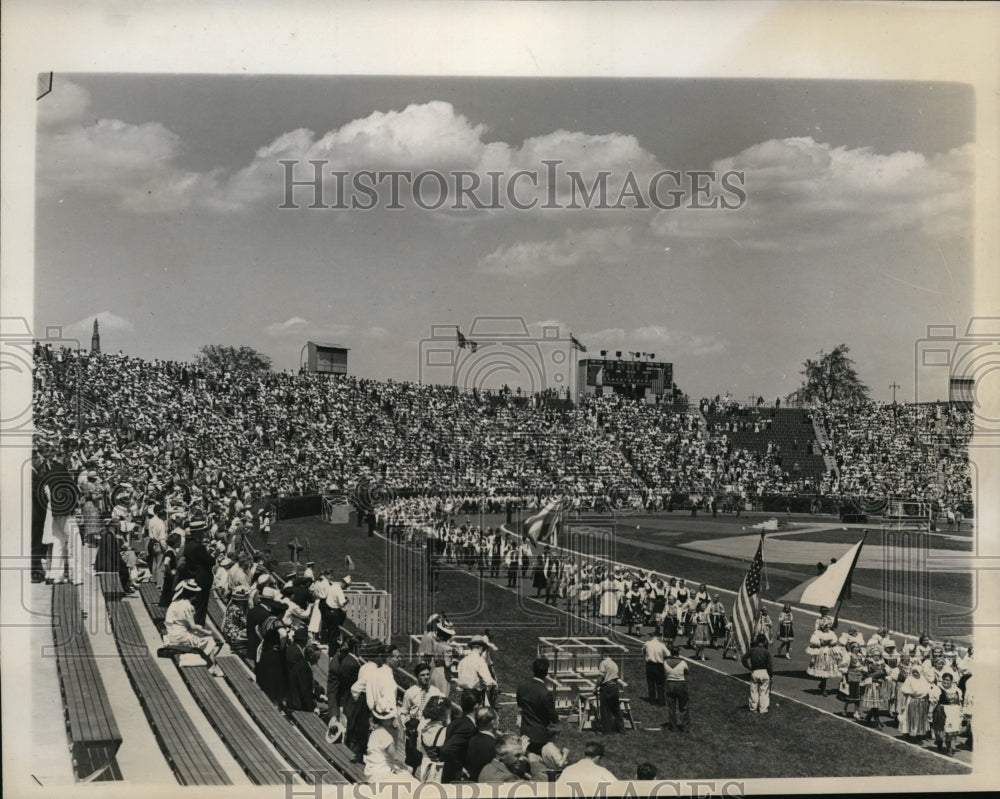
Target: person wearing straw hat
(380, 759)
(182, 630)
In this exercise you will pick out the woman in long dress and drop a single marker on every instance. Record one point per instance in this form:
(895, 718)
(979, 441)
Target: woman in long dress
(822, 663)
(853, 668)
(873, 695)
(946, 718)
(914, 714)
(609, 600)
(702, 634)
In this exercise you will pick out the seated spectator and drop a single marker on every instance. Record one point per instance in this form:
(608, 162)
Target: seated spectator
(181, 627)
(645, 771)
(483, 745)
(430, 738)
(380, 756)
(588, 769)
(509, 763)
(552, 759)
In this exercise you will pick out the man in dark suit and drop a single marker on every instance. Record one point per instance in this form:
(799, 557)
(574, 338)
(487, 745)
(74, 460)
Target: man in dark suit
(455, 748)
(350, 665)
(195, 563)
(483, 745)
(538, 708)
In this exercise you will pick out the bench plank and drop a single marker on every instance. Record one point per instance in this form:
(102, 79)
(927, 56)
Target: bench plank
(256, 758)
(90, 721)
(185, 750)
(287, 739)
(338, 754)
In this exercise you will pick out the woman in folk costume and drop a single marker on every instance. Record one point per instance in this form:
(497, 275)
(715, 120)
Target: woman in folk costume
(873, 695)
(914, 707)
(891, 685)
(701, 595)
(946, 716)
(853, 668)
(716, 620)
(632, 613)
(822, 662)
(786, 634)
(657, 601)
(702, 633)
(538, 581)
(671, 621)
(764, 626)
(609, 599)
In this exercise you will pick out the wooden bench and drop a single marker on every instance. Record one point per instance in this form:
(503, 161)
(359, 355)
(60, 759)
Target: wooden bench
(301, 755)
(90, 722)
(340, 755)
(182, 745)
(259, 762)
(216, 611)
(151, 599)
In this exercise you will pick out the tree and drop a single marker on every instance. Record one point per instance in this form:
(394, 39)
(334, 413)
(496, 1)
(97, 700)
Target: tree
(219, 357)
(831, 376)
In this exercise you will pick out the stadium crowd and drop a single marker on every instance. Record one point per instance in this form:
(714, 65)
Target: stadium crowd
(165, 465)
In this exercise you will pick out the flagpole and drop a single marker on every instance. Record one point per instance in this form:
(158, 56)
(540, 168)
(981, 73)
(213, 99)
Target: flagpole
(850, 572)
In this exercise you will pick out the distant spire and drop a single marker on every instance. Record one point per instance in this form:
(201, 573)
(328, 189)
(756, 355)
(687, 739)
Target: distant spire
(95, 340)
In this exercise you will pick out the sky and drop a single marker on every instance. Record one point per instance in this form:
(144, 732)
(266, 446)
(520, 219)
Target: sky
(158, 213)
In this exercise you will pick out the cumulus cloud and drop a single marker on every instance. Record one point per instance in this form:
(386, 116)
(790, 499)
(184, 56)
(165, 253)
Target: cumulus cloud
(296, 326)
(803, 194)
(658, 335)
(576, 248)
(108, 322)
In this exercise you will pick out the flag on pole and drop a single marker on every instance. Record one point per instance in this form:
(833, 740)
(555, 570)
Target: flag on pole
(465, 343)
(825, 589)
(747, 600)
(576, 343)
(542, 527)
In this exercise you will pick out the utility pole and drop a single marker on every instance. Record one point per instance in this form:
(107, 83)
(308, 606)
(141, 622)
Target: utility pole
(894, 385)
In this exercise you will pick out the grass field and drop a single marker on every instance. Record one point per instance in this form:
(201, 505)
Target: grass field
(725, 739)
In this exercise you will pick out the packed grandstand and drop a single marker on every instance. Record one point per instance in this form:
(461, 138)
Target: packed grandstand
(156, 456)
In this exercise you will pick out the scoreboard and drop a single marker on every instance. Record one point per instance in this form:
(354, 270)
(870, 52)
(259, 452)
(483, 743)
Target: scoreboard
(636, 378)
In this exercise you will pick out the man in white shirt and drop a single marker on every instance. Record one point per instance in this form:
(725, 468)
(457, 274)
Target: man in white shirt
(335, 609)
(588, 768)
(655, 653)
(411, 711)
(473, 672)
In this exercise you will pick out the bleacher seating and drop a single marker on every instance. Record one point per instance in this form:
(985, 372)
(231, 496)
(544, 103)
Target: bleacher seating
(289, 741)
(242, 739)
(182, 745)
(90, 722)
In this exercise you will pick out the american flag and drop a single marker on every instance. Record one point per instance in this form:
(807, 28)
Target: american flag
(745, 609)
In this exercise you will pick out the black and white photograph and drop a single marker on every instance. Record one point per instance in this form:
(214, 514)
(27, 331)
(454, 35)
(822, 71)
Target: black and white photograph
(497, 399)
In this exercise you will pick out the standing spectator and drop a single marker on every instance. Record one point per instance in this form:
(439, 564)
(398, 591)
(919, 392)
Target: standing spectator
(655, 653)
(483, 745)
(588, 769)
(676, 669)
(301, 686)
(334, 610)
(168, 568)
(351, 708)
(411, 712)
(195, 563)
(609, 685)
(456, 739)
(473, 671)
(538, 708)
(761, 675)
(60, 529)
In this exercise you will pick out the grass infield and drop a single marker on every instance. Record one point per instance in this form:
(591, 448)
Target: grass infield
(724, 740)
